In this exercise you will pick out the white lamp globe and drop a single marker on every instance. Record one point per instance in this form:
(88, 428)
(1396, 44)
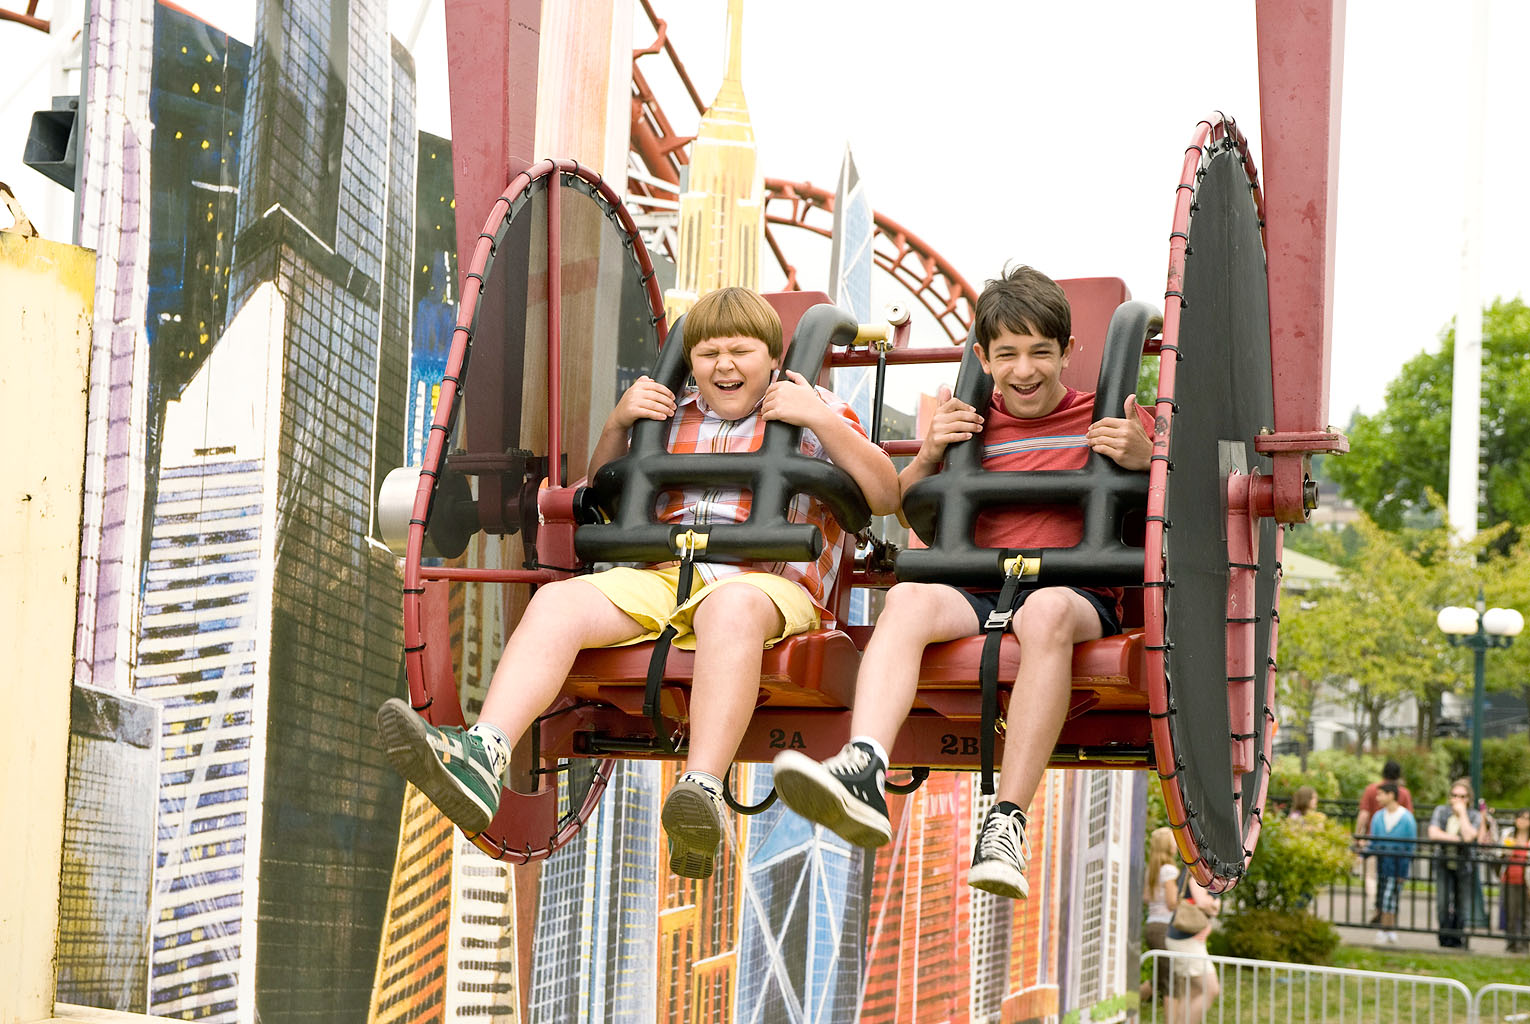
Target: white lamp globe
(1457, 621)
(1503, 622)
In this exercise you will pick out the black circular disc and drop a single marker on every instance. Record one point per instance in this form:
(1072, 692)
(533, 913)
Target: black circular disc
(1222, 398)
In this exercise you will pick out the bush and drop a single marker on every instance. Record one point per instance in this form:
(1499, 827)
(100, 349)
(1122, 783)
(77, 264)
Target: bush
(1286, 777)
(1292, 936)
(1294, 859)
(1266, 919)
(1505, 768)
(1425, 770)
(1353, 771)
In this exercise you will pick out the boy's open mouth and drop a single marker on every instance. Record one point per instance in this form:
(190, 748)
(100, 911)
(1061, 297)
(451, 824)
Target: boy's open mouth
(1027, 389)
(730, 385)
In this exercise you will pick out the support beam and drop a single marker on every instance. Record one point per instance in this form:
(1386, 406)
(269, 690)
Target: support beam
(1301, 59)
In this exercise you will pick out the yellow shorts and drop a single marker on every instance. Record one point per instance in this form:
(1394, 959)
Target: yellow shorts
(648, 595)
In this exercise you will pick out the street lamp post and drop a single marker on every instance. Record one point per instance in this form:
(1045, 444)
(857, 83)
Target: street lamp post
(1479, 628)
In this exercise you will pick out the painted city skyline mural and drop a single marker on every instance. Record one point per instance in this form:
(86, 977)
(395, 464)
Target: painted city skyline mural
(238, 848)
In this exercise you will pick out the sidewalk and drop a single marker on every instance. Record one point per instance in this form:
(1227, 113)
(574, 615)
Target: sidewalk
(1480, 945)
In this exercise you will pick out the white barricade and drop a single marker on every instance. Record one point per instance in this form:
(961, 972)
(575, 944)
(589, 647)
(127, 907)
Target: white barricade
(1501, 1004)
(1263, 992)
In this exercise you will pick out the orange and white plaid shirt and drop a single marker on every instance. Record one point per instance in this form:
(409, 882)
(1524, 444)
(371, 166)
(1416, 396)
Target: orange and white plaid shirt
(698, 429)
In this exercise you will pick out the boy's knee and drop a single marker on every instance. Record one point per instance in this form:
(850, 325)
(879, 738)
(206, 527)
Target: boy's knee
(1047, 616)
(735, 606)
(559, 595)
(913, 601)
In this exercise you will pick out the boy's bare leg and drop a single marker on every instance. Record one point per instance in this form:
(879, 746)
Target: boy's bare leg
(915, 616)
(1048, 625)
(462, 771)
(845, 793)
(562, 619)
(731, 624)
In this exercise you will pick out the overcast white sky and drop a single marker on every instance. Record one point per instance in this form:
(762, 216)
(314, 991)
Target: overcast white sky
(1052, 133)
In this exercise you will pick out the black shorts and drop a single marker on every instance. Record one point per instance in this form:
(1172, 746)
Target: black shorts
(985, 601)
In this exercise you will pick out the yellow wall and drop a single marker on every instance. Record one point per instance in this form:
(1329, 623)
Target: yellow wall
(45, 314)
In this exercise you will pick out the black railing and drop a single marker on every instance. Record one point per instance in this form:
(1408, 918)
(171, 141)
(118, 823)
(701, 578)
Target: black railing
(1450, 888)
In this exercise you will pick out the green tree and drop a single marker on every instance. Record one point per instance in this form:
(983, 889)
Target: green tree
(1401, 454)
(1371, 639)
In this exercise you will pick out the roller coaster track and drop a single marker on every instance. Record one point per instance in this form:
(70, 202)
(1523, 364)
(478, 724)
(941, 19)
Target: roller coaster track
(28, 18)
(657, 155)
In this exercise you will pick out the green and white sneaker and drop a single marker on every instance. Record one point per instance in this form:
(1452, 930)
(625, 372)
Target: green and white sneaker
(693, 822)
(448, 764)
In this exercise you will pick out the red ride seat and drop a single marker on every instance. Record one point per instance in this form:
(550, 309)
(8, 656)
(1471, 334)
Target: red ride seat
(810, 670)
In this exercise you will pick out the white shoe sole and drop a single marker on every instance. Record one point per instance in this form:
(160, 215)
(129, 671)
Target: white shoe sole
(407, 745)
(811, 790)
(999, 879)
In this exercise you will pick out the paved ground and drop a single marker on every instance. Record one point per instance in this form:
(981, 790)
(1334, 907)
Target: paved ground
(1421, 940)
(1349, 902)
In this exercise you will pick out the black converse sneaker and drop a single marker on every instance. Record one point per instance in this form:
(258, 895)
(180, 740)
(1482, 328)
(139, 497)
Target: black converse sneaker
(1001, 856)
(843, 794)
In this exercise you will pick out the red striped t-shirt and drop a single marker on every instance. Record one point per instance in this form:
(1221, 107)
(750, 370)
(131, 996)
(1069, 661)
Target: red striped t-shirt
(1054, 441)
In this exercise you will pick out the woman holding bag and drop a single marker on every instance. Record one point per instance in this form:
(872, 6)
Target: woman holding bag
(1161, 893)
(1195, 982)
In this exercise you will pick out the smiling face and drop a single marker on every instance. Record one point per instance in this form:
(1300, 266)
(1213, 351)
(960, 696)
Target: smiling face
(732, 373)
(1026, 370)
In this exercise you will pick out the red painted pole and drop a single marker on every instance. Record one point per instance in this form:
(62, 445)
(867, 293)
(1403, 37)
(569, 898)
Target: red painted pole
(1301, 48)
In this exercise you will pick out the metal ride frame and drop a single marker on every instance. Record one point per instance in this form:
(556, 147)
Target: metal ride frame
(1299, 74)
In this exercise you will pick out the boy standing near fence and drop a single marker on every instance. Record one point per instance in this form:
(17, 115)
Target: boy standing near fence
(1393, 833)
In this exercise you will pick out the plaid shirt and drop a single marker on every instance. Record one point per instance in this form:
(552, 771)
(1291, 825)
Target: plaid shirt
(698, 429)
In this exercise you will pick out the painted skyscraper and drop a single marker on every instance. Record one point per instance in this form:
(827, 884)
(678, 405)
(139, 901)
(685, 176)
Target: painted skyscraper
(802, 936)
(115, 138)
(114, 757)
(722, 210)
(850, 266)
(599, 915)
(1102, 885)
(919, 903)
(270, 631)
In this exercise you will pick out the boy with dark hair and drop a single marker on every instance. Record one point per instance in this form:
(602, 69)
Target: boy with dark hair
(732, 340)
(1390, 772)
(1024, 339)
(1392, 821)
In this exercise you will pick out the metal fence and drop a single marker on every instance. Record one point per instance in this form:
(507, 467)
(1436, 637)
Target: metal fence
(1501, 1004)
(1453, 889)
(1262, 992)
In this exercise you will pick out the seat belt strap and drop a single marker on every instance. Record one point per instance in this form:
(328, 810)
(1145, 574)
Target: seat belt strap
(1016, 570)
(687, 545)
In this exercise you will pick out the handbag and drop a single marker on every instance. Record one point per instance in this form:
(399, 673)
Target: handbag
(1188, 918)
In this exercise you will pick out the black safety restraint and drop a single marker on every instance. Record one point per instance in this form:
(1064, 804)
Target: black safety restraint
(1016, 572)
(687, 545)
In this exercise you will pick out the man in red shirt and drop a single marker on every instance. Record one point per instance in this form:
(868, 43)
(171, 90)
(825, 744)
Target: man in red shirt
(1024, 339)
(1390, 772)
